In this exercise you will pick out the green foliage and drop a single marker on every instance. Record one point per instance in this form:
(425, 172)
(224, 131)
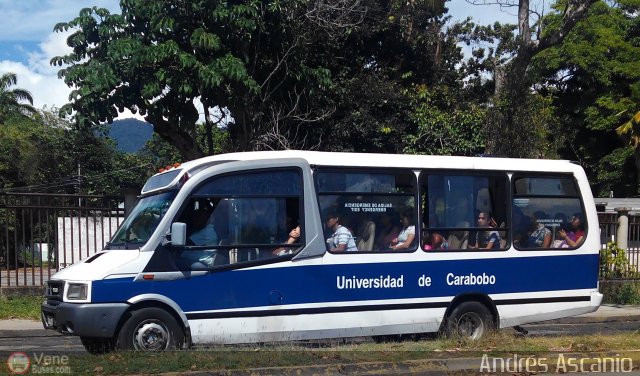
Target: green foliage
(524, 125)
(243, 56)
(616, 172)
(445, 126)
(43, 154)
(626, 291)
(293, 74)
(11, 100)
(593, 77)
(614, 263)
(159, 153)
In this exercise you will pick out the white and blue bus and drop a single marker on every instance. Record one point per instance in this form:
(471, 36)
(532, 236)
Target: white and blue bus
(296, 245)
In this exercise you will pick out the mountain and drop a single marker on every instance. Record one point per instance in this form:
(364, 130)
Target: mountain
(130, 134)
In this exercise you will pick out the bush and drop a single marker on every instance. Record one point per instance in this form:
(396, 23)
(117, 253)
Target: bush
(621, 291)
(614, 263)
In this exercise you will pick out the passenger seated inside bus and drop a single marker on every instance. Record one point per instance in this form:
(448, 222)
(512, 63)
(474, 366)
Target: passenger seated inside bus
(294, 236)
(203, 230)
(341, 239)
(436, 242)
(574, 237)
(539, 235)
(485, 239)
(407, 234)
(387, 230)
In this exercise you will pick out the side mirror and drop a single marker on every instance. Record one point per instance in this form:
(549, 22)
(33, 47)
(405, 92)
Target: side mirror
(178, 234)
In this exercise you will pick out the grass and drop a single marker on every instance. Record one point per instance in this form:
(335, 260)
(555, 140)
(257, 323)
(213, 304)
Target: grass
(333, 354)
(426, 352)
(20, 307)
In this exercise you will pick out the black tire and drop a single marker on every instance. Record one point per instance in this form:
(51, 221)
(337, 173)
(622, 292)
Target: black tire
(470, 320)
(150, 329)
(98, 345)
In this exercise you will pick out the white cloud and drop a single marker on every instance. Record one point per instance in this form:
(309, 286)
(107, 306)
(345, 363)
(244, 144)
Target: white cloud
(41, 79)
(38, 76)
(34, 19)
(47, 90)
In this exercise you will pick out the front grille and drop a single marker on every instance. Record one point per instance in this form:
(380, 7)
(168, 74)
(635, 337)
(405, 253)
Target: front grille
(54, 290)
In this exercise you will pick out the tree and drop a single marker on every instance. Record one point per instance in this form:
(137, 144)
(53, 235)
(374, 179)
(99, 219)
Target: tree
(593, 78)
(376, 69)
(159, 58)
(25, 167)
(273, 74)
(11, 100)
(446, 126)
(512, 113)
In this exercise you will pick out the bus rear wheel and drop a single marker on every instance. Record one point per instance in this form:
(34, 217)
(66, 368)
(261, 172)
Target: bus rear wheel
(471, 320)
(150, 329)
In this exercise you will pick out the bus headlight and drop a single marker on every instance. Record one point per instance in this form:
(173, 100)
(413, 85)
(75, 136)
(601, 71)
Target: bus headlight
(77, 291)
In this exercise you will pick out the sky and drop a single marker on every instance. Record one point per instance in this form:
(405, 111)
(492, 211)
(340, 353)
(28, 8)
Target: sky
(27, 40)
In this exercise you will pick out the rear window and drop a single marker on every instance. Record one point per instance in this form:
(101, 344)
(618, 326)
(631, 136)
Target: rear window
(547, 213)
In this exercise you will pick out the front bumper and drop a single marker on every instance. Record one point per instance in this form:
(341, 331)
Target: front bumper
(86, 320)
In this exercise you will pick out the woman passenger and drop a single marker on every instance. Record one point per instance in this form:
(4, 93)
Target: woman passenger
(387, 230)
(573, 239)
(407, 234)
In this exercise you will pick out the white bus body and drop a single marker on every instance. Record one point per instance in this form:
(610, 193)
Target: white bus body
(153, 288)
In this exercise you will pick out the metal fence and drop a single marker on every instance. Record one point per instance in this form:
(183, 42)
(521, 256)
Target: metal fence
(42, 233)
(608, 234)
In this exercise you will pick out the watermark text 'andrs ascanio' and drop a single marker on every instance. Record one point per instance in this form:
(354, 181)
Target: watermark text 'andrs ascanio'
(563, 363)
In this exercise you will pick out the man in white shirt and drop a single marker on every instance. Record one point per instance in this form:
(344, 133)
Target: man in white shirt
(341, 240)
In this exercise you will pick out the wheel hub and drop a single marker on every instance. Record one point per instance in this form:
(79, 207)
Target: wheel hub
(470, 325)
(151, 336)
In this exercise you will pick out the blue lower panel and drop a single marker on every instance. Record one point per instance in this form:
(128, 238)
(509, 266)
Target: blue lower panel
(361, 282)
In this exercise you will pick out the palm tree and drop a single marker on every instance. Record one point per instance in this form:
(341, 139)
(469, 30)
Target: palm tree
(11, 100)
(631, 132)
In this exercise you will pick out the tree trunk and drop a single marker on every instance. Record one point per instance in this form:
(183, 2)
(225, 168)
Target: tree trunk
(507, 134)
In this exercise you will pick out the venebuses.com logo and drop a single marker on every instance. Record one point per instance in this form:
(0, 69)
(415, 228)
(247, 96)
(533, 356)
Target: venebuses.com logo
(18, 363)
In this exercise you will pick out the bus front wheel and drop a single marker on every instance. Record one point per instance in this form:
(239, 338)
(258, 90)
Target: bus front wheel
(97, 345)
(471, 320)
(150, 329)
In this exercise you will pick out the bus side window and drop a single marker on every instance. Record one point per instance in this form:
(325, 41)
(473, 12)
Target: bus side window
(547, 213)
(362, 209)
(464, 212)
(243, 217)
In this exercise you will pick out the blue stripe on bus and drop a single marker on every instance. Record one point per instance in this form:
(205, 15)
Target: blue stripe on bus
(241, 288)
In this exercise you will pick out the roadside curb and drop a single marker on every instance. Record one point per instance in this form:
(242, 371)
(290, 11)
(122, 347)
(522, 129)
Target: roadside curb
(423, 367)
(429, 367)
(14, 333)
(592, 319)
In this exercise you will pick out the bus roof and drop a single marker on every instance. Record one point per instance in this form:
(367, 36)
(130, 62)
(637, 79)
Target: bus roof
(393, 160)
(170, 177)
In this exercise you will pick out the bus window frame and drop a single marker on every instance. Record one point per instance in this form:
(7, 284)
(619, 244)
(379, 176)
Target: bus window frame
(550, 175)
(249, 263)
(425, 173)
(316, 169)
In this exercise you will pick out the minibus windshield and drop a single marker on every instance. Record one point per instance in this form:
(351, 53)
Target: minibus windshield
(142, 221)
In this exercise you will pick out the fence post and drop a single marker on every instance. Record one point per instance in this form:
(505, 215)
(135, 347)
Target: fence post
(622, 232)
(130, 193)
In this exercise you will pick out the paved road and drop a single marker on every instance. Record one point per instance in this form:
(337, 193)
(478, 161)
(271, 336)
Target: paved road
(51, 342)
